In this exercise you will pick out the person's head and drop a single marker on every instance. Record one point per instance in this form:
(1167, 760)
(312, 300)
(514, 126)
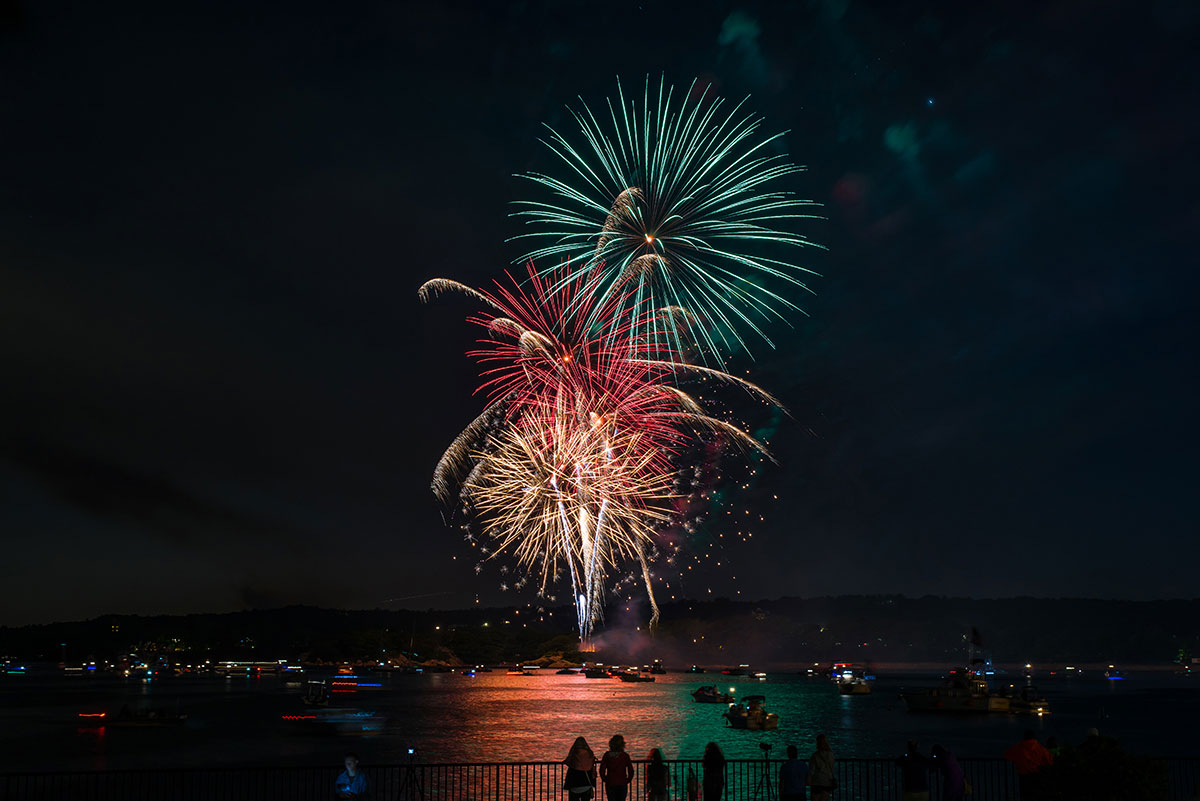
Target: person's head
(793, 752)
(616, 743)
(712, 750)
(1030, 734)
(823, 743)
(351, 763)
(656, 756)
(580, 743)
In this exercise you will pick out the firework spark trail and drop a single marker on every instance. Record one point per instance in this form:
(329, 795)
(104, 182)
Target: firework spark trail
(671, 206)
(572, 462)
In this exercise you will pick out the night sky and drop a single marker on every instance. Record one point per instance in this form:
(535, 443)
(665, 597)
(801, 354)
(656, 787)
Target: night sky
(220, 391)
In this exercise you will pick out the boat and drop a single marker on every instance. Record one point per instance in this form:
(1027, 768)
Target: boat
(634, 676)
(711, 695)
(752, 715)
(1028, 701)
(852, 679)
(1113, 674)
(740, 670)
(316, 693)
(566, 672)
(597, 672)
(854, 685)
(696, 669)
(657, 668)
(962, 692)
(517, 672)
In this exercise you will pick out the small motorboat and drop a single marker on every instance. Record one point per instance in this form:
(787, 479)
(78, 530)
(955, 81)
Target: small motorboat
(630, 676)
(565, 672)
(711, 695)
(657, 668)
(740, 670)
(517, 672)
(752, 715)
(597, 672)
(696, 669)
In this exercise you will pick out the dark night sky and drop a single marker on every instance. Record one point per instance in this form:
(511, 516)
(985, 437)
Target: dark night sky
(220, 390)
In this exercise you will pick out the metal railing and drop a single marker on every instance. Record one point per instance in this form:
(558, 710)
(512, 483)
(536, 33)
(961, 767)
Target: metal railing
(744, 780)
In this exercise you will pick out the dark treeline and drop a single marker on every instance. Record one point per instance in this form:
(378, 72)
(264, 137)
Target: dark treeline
(717, 632)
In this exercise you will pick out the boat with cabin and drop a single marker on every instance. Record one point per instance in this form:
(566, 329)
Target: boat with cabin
(709, 694)
(752, 715)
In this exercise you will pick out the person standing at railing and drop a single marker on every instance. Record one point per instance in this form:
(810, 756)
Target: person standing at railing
(954, 781)
(351, 783)
(793, 777)
(616, 769)
(714, 772)
(658, 777)
(580, 782)
(914, 773)
(1029, 756)
(822, 770)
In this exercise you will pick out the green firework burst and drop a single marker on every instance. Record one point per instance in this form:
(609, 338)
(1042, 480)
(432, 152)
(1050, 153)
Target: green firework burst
(674, 204)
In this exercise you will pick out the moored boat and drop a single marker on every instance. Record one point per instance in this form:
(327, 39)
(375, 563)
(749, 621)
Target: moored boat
(752, 715)
(1028, 701)
(711, 695)
(962, 692)
(854, 685)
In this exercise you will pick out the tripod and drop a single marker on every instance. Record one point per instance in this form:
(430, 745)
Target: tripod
(410, 785)
(764, 789)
